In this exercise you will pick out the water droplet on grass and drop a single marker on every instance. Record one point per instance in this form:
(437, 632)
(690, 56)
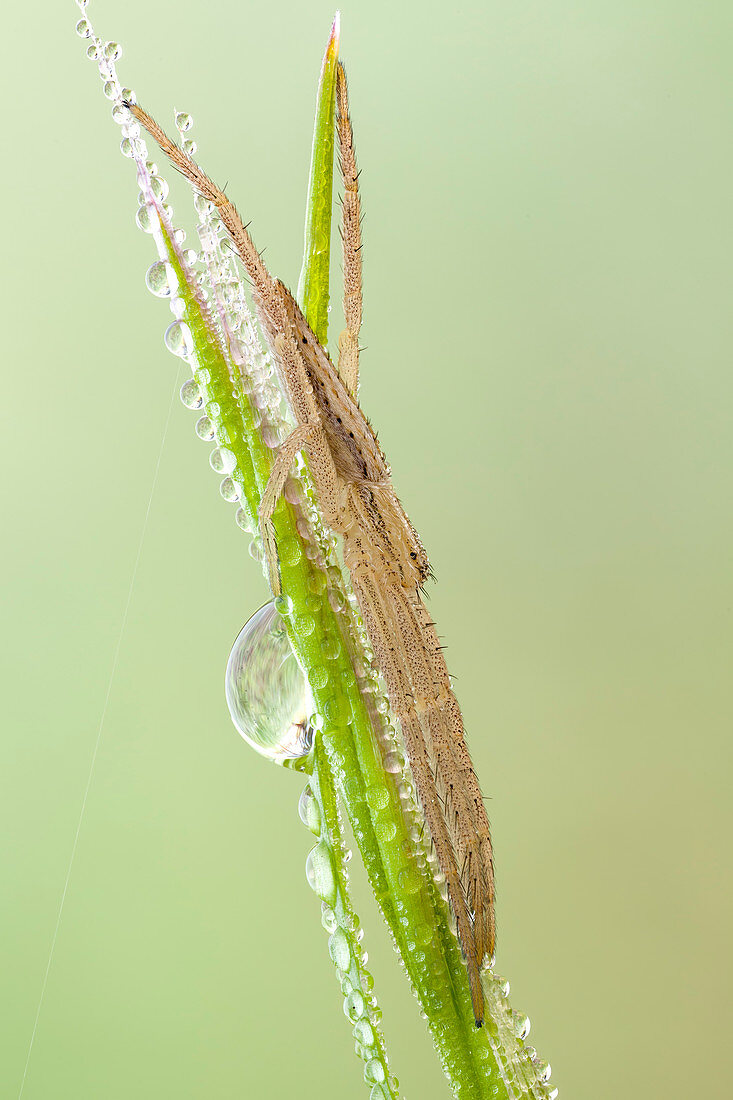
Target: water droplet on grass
(161, 279)
(191, 394)
(178, 339)
(266, 691)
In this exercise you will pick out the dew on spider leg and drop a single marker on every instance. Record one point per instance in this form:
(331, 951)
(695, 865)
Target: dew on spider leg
(266, 692)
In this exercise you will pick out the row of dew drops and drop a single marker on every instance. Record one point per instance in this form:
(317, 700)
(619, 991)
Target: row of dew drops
(326, 873)
(274, 713)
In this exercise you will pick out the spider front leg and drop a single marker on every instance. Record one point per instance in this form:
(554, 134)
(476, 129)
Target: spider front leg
(273, 490)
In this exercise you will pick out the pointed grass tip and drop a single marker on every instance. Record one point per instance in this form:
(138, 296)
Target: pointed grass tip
(333, 43)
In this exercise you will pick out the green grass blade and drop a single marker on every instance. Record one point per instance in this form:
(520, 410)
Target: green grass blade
(313, 295)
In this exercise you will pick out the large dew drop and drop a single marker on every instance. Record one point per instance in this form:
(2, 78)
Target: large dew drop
(266, 692)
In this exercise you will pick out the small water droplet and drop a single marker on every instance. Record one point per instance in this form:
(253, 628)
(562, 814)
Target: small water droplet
(423, 933)
(113, 51)
(266, 691)
(339, 947)
(321, 876)
(336, 599)
(189, 147)
(309, 811)
(131, 130)
(284, 606)
(354, 1006)
(410, 880)
(202, 206)
(289, 551)
(183, 121)
(230, 490)
(394, 762)
(330, 647)
(404, 790)
(543, 1071)
(191, 394)
(305, 625)
(204, 429)
(374, 1072)
(110, 89)
(160, 188)
(363, 1032)
(161, 279)
(255, 549)
(328, 918)
(144, 219)
(129, 95)
(318, 676)
(222, 460)
(242, 520)
(178, 339)
(502, 986)
(520, 1024)
(386, 831)
(127, 148)
(377, 797)
(83, 29)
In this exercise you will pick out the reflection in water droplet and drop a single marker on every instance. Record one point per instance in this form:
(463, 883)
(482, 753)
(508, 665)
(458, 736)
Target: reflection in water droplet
(321, 876)
(309, 811)
(328, 918)
(230, 490)
(543, 1071)
(178, 339)
(339, 948)
(284, 605)
(204, 429)
(364, 1032)
(520, 1024)
(266, 692)
(191, 394)
(183, 121)
(354, 1006)
(159, 188)
(160, 279)
(222, 460)
(144, 220)
(374, 1071)
(242, 520)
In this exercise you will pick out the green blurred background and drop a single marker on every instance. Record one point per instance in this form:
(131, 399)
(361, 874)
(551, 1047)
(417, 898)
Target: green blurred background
(548, 300)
